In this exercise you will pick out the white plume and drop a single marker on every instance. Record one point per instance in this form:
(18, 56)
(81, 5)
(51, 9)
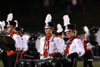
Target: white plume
(86, 30)
(59, 28)
(2, 24)
(66, 20)
(9, 17)
(48, 18)
(16, 23)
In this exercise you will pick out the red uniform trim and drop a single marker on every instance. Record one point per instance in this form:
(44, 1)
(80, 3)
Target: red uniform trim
(10, 53)
(68, 47)
(47, 38)
(11, 35)
(13, 52)
(52, 54)
(59, 36)
(85, 47)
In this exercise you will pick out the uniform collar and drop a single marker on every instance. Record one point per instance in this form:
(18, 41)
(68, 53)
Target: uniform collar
(72, 38)
(48, 36)
(59, 36)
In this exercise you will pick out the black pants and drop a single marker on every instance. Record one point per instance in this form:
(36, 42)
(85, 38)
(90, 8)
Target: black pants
(11, 60)
(4, 59)
(73, 58)
(86, 63)
(73, 63)
(8, 61)
(87, 59)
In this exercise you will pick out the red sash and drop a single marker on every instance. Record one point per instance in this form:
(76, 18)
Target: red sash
(85, 46)
(46, 46)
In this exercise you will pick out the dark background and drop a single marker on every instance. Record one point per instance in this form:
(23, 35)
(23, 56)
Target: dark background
(31, 13)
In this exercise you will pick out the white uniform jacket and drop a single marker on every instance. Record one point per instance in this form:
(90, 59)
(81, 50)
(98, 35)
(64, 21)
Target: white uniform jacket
(62, 42)
(17, 40)
(76, 46)
(87, 46)
(24, 43)
(55, 45)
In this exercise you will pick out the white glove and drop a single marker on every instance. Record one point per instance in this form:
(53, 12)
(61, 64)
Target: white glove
(1, 51)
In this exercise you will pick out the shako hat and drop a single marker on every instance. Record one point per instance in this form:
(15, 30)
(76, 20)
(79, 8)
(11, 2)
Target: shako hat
(48, 21)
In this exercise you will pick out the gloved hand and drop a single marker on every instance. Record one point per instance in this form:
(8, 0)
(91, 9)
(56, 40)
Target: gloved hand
(58, 55)
(73, 55)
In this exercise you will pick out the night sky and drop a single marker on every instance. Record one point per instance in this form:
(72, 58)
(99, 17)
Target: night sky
(31, 13)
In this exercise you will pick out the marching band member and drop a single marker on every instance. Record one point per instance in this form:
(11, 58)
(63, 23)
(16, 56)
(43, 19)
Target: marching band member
(88, 56)
(23, 46)
(4, 54)
(74, 47)
(49, 44)
(11, 55)
(24, 38)
(59, 31)
(60, 35)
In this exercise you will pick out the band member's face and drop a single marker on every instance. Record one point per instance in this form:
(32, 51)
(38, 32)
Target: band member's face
(84, 37)
(20, 32)
(9, 29)
(48, 30)
(68, 34)
(71, 33)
